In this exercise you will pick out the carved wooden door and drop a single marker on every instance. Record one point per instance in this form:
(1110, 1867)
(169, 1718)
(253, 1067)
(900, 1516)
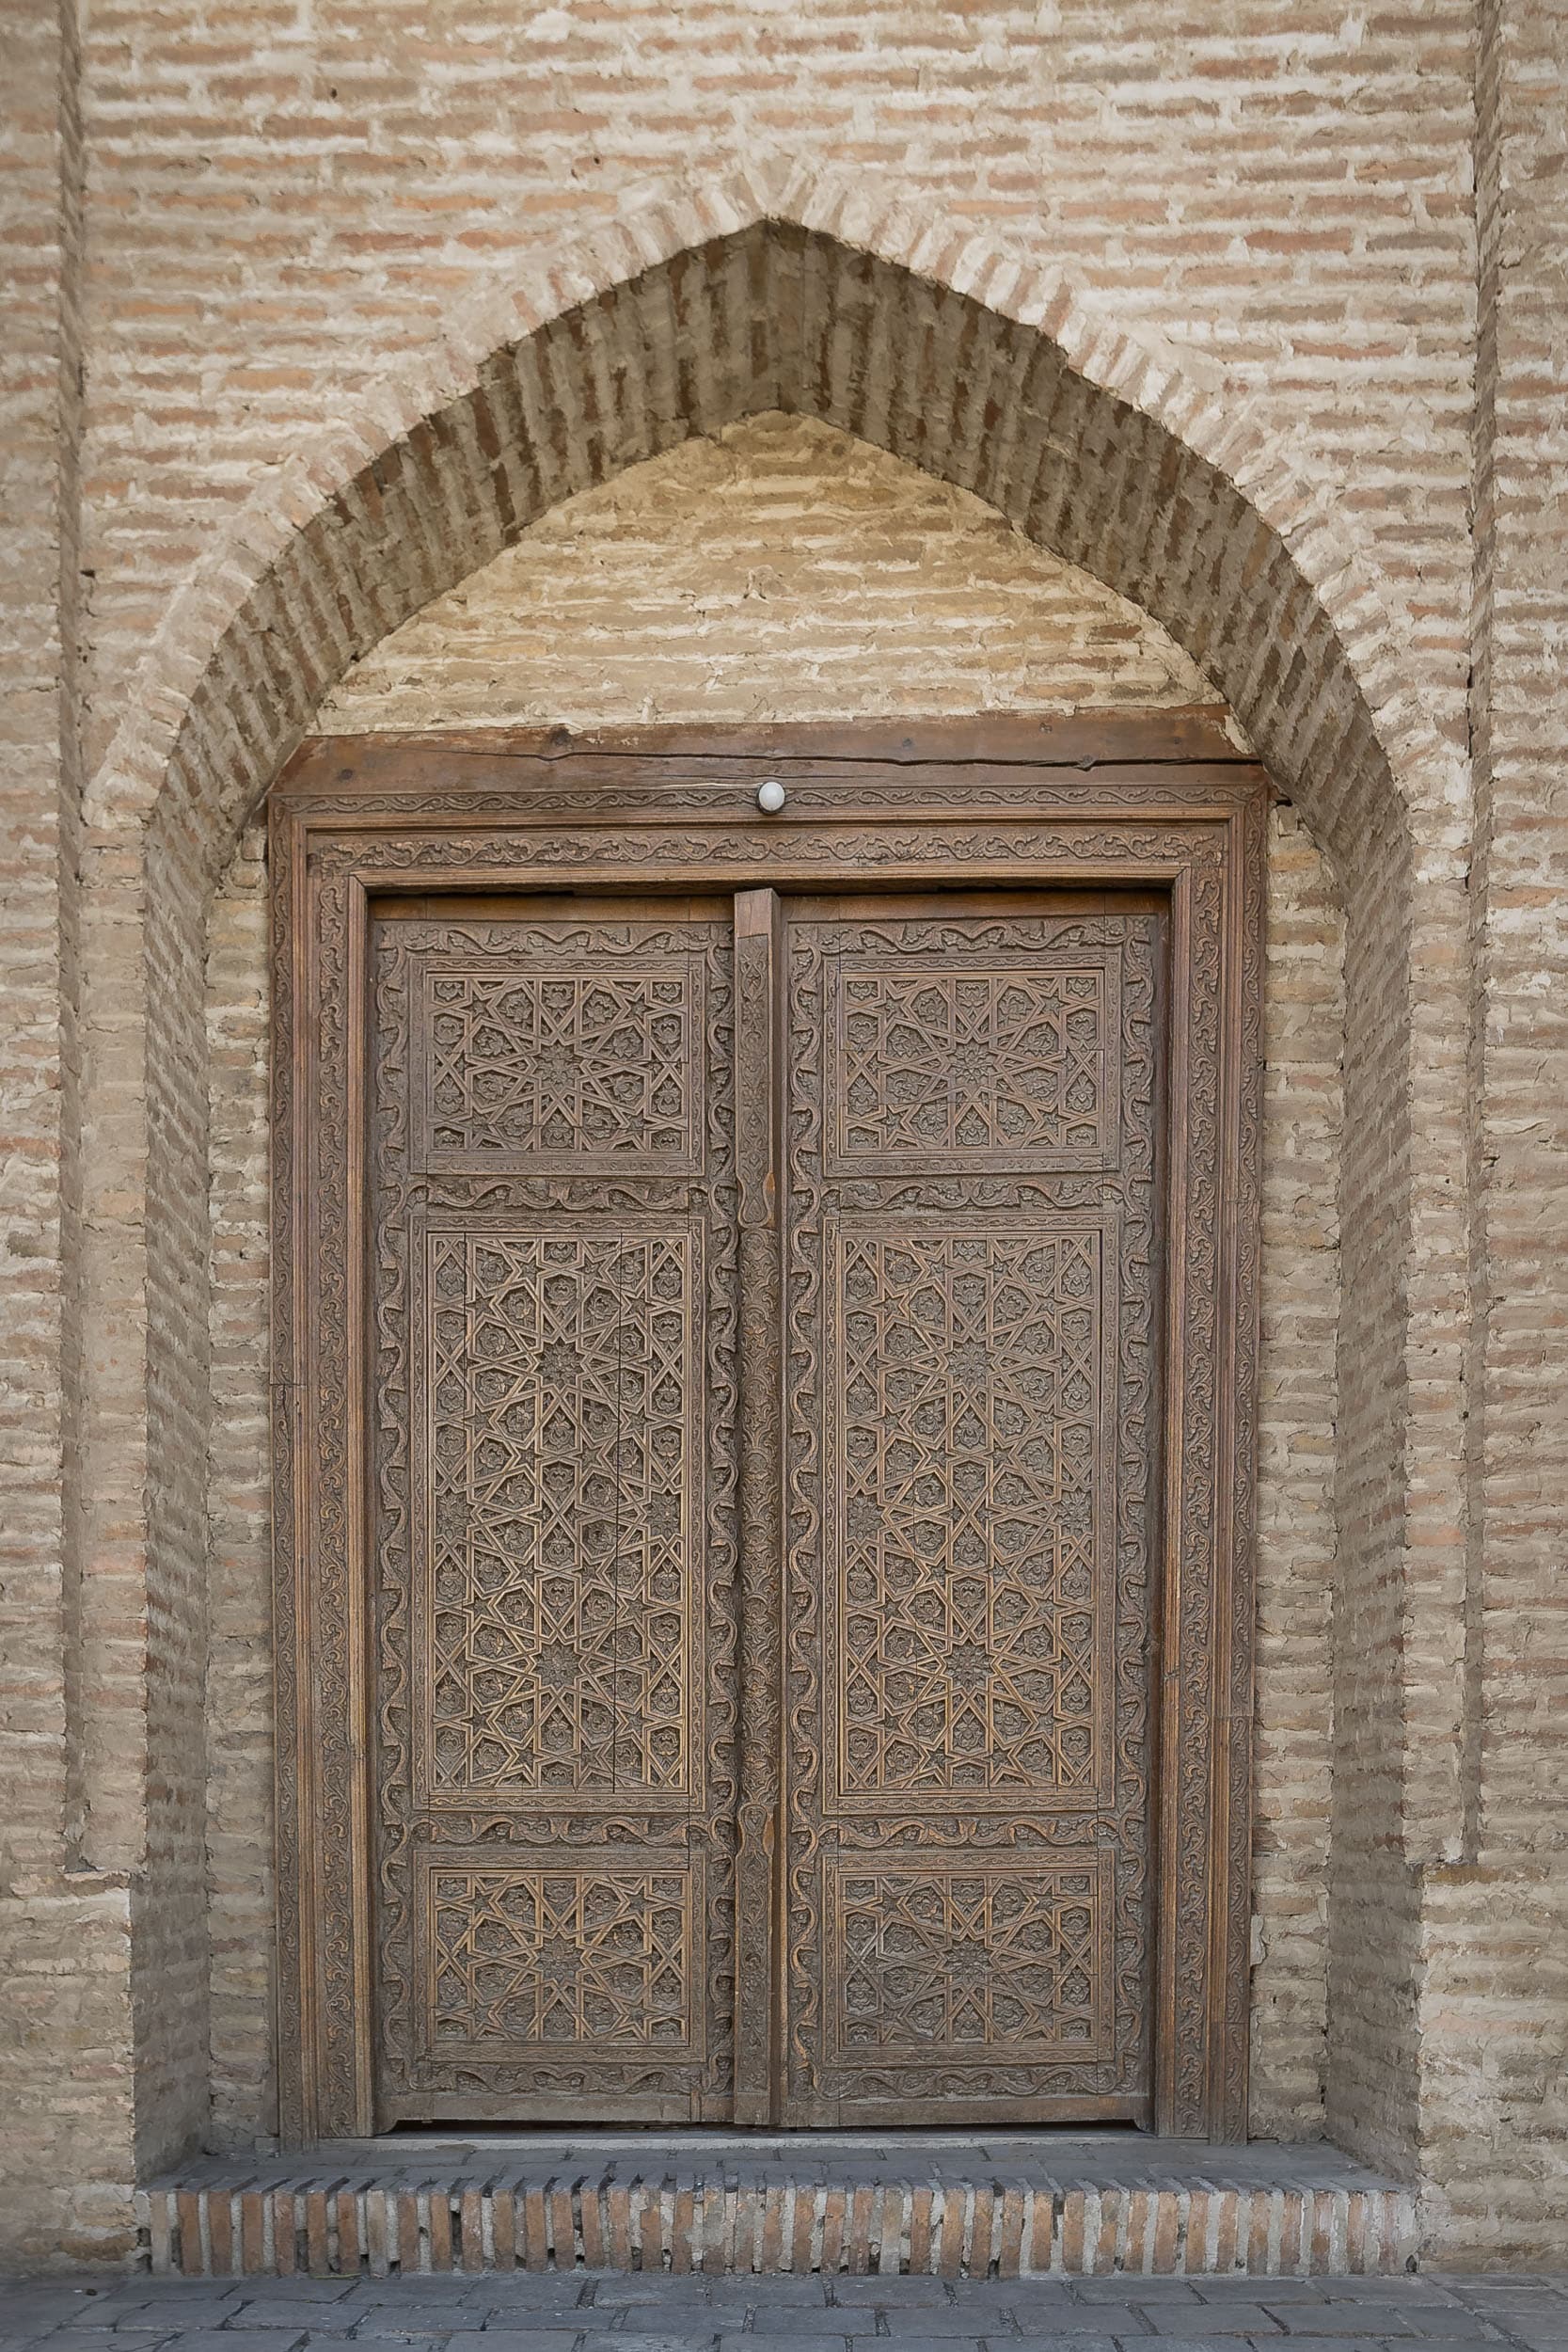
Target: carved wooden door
(762, 1376)
(972, 1300)
(553, 1316)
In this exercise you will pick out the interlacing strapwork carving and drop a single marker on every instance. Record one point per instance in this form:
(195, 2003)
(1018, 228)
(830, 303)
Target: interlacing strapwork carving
(1000, 1062)
(975, 1414)
(555, 1304)
(559, 1633)
(973, 1962)
(544, 1958)
(971, 1327)
(564, 1066)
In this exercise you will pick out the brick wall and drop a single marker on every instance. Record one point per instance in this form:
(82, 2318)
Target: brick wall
(279, 199)
(779, 571)
(238, 1860)
(1213, 310)
(65, 2109)
(1495, 2007)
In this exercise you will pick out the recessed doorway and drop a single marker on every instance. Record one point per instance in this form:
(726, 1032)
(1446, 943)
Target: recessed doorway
(772, 1413)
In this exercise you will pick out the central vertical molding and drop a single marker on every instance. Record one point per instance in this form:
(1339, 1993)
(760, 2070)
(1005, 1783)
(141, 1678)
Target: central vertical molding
(758, 1082)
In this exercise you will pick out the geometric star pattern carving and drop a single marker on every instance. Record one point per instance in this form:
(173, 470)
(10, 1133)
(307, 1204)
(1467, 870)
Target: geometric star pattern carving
(968, 1370)
(961, 1961)
(555, 1955)
(564, 1066)
(559, 1643)
(1008, 1062)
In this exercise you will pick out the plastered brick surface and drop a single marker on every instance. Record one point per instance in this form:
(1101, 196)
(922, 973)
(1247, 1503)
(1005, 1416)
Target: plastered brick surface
(308, 316)
(781, 570)
(1494, 2019)
(65, 2030)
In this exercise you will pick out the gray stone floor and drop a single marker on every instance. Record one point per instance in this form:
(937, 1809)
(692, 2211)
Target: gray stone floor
(604, 2312)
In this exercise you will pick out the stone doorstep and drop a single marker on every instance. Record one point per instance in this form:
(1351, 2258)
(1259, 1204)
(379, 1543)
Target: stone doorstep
(683, 2218)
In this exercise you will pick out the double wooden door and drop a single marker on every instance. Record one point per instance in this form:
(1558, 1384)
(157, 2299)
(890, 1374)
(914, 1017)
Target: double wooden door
(763, 1318)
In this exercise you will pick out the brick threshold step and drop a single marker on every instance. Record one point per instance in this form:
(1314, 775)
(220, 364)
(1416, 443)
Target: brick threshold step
(501, 2205)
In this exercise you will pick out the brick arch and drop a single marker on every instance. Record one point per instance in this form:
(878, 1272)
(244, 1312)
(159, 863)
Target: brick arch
(950, 351)
(697, 308)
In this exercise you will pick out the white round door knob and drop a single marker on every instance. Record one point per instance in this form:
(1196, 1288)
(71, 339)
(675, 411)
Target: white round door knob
(770, 796)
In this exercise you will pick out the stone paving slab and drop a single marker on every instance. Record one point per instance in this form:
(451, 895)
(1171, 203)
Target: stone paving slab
(596, 2311)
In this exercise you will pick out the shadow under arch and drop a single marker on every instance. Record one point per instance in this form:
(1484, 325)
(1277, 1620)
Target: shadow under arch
(678, 318)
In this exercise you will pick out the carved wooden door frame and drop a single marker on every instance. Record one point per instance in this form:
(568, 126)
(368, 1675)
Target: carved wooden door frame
(1135, 801)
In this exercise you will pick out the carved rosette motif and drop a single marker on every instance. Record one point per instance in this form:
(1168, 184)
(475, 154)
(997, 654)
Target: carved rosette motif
(969, 1412)
(1008, 1061)
(562, 1069)
(555, 1635)
(557, 1960)
(352, 1942)
(955, 1964)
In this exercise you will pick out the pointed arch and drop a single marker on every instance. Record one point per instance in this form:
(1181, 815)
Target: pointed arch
(686, 311)
(694, 308)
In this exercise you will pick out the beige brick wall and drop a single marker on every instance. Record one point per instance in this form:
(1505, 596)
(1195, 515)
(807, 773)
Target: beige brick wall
(281, 196)
(1494, 1942)
(240, 1883)
(256, 260)
(783, 571)
(779, 571)
(64, 1958)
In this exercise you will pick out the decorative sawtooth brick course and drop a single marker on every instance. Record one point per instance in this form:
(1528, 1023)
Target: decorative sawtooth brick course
(678, 2221)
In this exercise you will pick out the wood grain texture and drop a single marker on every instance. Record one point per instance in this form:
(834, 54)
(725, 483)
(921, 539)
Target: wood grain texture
(758, 1082)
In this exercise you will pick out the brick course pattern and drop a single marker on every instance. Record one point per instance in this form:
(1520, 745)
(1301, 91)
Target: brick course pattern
(64, 1926)
(779, 571)
(311, 316)
(278, 198)
(773, 2226)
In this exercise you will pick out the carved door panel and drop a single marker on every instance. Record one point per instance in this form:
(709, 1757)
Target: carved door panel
(552, 1478)
(762, 1334)
(970, 1300)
